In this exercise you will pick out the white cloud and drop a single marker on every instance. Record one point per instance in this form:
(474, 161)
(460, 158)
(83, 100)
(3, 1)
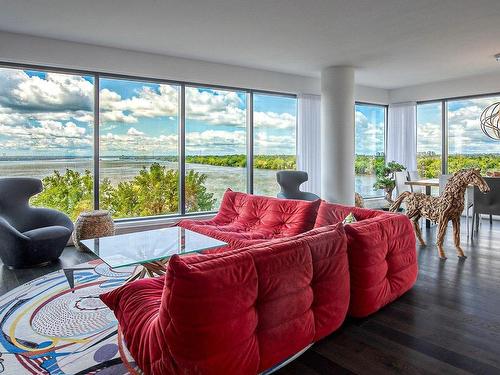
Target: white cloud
(137, 142)
(464, 132)
(50, 135)
(266, 143)
(369, 135)
(146, 103)
(274, 120)
(465, 135)
(214, 107)
(216, 142)
(55, 92)
(216, 137)
(134, 132)
(40, 113)
(48, 128)
(56, 111)
(429, 137)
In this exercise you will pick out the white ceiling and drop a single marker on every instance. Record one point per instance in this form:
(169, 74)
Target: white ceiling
(392, 43)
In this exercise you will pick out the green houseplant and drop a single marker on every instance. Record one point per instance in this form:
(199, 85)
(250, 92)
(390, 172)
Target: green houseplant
(386, 178)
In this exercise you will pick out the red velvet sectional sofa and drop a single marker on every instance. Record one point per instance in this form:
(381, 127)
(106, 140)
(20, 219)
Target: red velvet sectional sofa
(289, 276)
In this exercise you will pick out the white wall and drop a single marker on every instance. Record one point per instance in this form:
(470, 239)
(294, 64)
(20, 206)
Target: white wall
(473, 85)
(371, 95)
(17, 48)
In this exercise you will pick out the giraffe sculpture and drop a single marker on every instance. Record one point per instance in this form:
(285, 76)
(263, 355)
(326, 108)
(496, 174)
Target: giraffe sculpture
(358, 200)
(447, 207)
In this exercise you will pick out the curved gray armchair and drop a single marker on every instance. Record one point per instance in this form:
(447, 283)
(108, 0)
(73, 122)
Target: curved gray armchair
(29, 236)
(290, 182)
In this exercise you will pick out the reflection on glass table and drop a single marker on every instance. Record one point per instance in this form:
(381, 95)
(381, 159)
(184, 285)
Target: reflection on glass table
(149, 249)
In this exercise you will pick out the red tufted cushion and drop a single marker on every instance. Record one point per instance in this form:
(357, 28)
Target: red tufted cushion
(244, 219)
(238, 312)
(332, 213)
(382, 255)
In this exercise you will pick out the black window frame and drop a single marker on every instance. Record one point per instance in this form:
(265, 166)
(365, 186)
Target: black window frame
(97, 75)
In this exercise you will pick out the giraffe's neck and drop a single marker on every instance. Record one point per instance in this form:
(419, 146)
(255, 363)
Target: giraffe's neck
(457, 192)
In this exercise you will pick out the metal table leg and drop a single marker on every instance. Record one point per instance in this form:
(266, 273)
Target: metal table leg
(70, 275)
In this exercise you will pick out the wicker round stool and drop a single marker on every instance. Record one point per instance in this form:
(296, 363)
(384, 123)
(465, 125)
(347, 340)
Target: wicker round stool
(92, 224)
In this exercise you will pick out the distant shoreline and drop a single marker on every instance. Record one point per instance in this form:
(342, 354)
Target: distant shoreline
(122, 157)
(175, 158)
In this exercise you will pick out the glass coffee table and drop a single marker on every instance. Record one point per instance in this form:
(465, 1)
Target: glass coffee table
(150, 250)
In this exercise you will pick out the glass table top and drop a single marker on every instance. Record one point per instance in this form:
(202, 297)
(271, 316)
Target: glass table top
(148, 246)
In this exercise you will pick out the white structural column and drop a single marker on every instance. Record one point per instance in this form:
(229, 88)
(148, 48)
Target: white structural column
(337, 134)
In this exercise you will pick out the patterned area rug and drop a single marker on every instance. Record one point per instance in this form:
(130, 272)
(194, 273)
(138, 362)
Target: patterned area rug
(47, 329)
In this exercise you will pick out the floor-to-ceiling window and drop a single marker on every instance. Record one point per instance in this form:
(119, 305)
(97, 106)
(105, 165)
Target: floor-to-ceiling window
(369, 147)
(464, 146)
(46, 131)
(468, 146)
(216, 128)
(274, 140)
(138, 164)
(158, 148)
(429, 139)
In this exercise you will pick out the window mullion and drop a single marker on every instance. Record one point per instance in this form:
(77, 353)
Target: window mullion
(250, 142)
(182, 151)
(444, 137)
(96, 140)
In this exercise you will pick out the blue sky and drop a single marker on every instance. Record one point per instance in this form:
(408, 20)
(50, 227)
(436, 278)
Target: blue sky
(51, 114)
(464, 133)
(369, 128)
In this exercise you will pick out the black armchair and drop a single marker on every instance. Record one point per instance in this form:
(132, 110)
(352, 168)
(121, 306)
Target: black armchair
(290, 182)
(487, 204)
(29, 236)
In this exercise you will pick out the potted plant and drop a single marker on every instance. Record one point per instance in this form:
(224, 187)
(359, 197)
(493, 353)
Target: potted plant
(386, 179)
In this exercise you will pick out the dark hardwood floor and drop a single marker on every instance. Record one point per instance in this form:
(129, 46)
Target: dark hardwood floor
(449, 323)
(10, 279)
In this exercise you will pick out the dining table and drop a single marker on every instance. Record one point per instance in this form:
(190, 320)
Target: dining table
(428, 183)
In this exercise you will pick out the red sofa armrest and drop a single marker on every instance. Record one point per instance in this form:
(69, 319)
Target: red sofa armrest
(382, 261)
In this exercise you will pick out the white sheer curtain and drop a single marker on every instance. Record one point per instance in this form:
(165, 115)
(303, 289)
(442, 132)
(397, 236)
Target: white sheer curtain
(309, 141)
(402, 135)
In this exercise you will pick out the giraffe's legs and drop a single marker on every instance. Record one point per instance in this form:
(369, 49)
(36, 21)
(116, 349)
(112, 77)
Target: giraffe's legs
(456, 237)
(442, 224)
(418, 232)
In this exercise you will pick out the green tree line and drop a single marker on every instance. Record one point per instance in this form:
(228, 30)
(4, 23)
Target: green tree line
(368, 164)
(154, 191)
(238, 161)
(259, 161)
(429, 166)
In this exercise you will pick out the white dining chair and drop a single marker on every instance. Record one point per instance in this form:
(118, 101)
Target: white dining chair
(414, 176)
(401, 179)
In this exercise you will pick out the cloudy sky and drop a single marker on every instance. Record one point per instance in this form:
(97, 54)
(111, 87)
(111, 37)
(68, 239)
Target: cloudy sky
(465, 135)
(370, 130)
(47, 114)
(52, 114)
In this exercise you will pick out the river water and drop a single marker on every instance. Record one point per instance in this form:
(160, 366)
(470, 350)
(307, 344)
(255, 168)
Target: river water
(118, 170)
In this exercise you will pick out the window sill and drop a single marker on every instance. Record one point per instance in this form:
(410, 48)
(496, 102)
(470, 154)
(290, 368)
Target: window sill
(149, 223)
(124, 226)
